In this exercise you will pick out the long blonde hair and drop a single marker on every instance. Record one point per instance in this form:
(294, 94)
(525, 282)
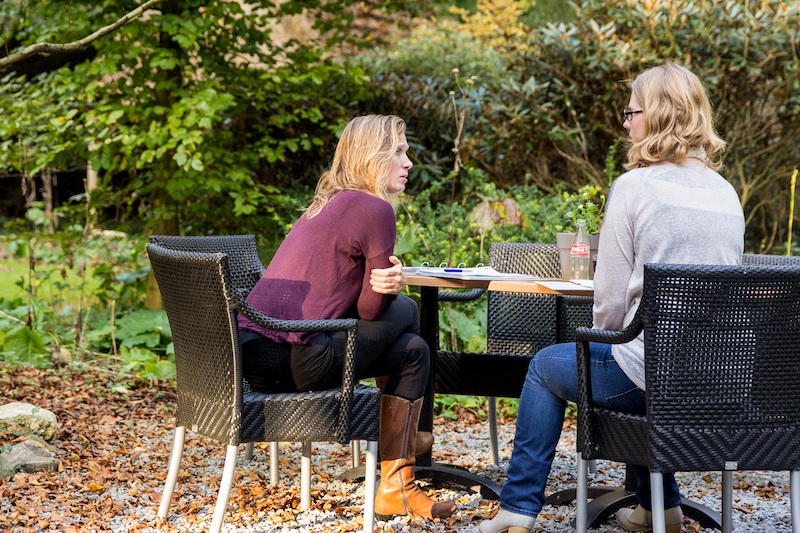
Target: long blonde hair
(362, 159)
(678, 119)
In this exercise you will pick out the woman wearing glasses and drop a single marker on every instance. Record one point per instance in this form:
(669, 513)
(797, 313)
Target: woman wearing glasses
(670, 207)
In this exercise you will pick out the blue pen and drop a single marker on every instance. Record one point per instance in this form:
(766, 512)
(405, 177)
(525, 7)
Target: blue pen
(453, 270)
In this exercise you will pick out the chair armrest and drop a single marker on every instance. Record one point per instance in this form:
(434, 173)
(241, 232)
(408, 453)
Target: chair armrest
(349, 325)
(583, 336)
(460, 296)
(607, 336)
(276, 324)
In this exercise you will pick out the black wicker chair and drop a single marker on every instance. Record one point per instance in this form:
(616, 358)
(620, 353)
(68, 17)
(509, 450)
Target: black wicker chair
(722, 367)
(213, 400)
(518, 326)
(246, 269)
(765, 259)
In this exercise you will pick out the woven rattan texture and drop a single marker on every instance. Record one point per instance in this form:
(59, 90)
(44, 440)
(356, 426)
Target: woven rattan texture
(722, 365)
(299, 417)
(243, 262)
(245, 270)
(212, 399)
(764, 259)
(201, 318)
(518, 326)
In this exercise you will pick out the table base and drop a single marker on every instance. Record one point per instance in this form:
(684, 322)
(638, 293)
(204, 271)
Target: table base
(440, 473)
(604, 502)
(607, 501)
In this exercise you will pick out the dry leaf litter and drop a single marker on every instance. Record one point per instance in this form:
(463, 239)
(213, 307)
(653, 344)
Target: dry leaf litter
(114, 443)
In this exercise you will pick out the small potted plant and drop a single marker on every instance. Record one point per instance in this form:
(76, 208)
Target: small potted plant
(592, 212)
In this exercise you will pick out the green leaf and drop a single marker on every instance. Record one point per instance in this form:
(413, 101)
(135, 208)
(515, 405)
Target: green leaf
(143, 321)
(159, 370)
(24, 343)
(151, 340)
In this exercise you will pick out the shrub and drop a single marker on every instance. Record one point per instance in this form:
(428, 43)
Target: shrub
(414, 79)
(460, 231)
(549, 115)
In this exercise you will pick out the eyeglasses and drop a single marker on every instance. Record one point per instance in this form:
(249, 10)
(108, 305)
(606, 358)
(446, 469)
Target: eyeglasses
(627, 114)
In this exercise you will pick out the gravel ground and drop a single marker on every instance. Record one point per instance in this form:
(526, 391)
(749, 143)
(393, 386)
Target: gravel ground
(761, 499)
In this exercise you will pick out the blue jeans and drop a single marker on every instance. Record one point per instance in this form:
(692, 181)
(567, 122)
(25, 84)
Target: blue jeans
(552, 379)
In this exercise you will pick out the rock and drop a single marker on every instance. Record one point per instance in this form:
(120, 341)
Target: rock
(29, 456)
(6, 468)
(23, 418)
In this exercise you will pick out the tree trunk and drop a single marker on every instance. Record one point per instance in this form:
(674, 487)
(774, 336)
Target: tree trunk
(161, 226)
(164, 206)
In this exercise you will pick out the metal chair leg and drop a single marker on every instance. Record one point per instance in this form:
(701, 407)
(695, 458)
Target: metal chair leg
(355, 451)
(492, 415)
(248, 451)
(794, 496)
(727, 501)
(224, 489)
(274, 472)
(657, 502)
(582, 495)
(371, 474)
(305, 477)
(172, 471)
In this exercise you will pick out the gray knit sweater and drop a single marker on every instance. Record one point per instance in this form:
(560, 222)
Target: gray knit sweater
(664, 213)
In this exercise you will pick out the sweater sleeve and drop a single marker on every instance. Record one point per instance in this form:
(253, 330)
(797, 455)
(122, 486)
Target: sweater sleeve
(616, 259)
(377, 245)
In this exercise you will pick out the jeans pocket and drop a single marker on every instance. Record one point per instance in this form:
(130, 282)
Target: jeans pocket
(630, 401)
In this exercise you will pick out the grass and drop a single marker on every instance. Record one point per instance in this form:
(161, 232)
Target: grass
(53, 280)
(11, 271)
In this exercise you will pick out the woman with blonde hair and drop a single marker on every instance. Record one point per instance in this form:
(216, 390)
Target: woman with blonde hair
(670, 207)
(337, 262)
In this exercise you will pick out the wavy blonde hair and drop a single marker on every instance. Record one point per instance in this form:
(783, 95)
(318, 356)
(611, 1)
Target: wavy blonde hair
(677, 119)
(362, 159)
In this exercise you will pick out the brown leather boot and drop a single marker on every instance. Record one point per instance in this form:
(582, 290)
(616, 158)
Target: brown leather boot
(398, 493)
(423, 443)
(424, 440)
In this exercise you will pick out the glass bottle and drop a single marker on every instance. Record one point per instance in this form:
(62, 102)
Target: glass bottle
(579, 253)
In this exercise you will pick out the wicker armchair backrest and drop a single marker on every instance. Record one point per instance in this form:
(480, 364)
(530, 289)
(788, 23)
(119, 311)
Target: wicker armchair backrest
(243, 261)
(722, 366)
(201, 311)
(519, 323)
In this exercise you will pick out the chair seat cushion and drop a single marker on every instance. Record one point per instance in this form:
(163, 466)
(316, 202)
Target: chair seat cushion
(306, 416)
(617, 436)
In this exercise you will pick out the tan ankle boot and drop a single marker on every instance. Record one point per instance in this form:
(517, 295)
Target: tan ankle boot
(640, 519)
(424, 440)
(398, 493)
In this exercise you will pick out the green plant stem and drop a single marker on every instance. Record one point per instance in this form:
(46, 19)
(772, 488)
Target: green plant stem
(13, 318)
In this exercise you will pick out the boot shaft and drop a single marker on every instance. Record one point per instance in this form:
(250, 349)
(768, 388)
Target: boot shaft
(398, 492)
(399, 419)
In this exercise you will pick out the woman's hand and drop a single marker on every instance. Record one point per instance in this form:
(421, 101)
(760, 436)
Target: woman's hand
(390, 280)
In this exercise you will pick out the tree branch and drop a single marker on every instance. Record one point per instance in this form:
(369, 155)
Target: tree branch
(75, 46)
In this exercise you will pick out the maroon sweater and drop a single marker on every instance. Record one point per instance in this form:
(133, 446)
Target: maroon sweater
(321, 270)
